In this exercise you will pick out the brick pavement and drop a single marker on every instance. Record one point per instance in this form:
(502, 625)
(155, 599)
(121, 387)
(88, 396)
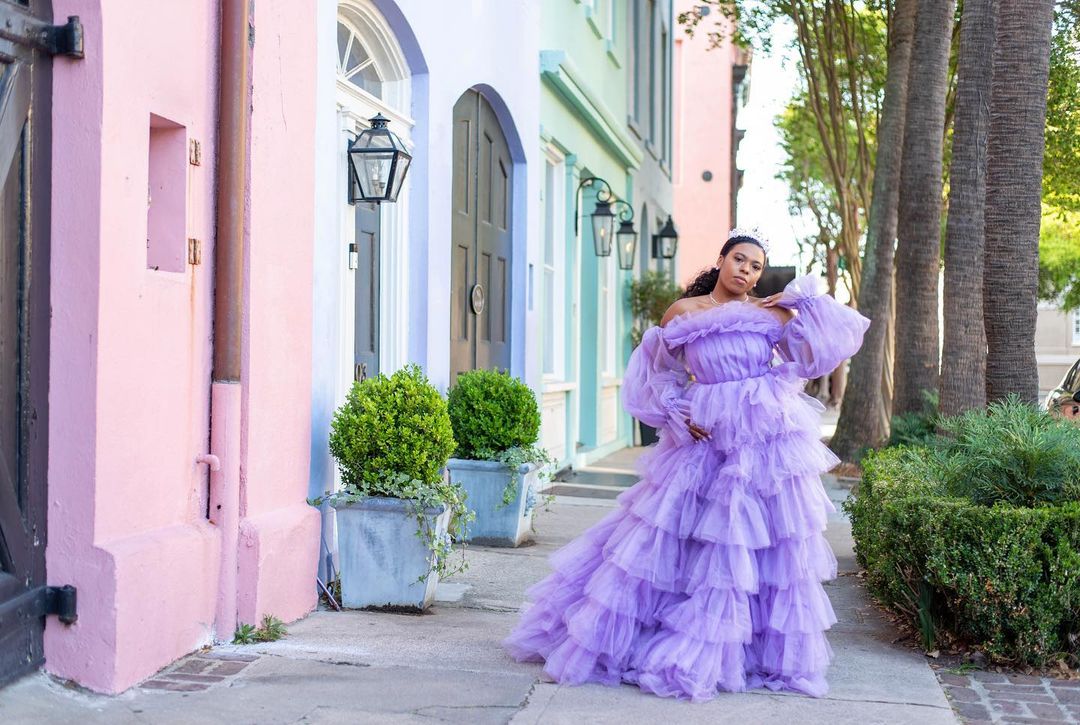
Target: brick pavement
(199, 671)
(990, 697)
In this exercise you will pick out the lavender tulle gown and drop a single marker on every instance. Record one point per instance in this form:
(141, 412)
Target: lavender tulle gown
(708, 575)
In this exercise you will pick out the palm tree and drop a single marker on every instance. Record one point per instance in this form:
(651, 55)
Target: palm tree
(918, 248)
(1013, 195)
(963, 358)
(863, 421)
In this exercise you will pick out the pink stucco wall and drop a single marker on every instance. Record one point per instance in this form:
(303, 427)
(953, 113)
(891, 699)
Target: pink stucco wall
(131, 346)
(702, 142)
(277, 526)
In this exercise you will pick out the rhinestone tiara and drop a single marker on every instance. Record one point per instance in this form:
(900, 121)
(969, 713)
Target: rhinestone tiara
(754, 233)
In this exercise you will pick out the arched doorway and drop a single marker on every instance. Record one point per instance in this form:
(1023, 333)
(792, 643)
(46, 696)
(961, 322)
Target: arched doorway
(372, 77)
(481, 238)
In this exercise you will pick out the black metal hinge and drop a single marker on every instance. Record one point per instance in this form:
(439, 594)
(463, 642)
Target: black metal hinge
(38, 603)
(66, 39)
(63, 602)
(21, 33)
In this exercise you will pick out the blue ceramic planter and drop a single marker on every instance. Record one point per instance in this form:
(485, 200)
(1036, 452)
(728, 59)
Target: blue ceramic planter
(381, 556)
(483, 482)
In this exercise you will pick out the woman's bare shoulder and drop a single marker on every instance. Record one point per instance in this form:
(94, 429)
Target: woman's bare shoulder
(680, 306)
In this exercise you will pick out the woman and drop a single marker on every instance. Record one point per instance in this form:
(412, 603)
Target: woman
(708, 576)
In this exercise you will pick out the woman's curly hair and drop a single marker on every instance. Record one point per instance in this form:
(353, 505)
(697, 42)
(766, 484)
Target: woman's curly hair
(706, 281)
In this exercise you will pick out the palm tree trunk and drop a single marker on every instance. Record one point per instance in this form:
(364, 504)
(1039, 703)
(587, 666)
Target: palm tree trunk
(863, 422)
(1014, 195)
(918, 248)
(963, 357)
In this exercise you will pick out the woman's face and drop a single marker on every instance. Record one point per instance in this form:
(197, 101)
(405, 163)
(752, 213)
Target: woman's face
(741, 267)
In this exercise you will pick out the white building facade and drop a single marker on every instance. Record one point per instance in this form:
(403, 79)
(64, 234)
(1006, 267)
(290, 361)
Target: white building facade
(397, 283)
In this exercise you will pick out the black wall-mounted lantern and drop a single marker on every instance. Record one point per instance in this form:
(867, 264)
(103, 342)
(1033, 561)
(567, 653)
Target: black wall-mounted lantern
(378, 163)
(666, 241)
(603, 222)
(626, 238)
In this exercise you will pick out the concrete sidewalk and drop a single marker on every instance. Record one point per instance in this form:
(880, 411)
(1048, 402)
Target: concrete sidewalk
(447, 665)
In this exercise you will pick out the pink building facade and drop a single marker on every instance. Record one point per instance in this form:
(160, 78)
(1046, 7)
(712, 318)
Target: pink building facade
(709, 85)
(166, 554)
(169, 370)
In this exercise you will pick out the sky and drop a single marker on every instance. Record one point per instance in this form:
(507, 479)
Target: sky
(763, 198)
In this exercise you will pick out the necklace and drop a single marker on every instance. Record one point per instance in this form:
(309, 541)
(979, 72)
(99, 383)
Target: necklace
(717, 304)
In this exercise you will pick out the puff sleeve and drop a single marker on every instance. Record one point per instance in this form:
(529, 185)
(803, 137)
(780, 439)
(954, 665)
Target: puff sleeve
(654, 387)
(824, 332)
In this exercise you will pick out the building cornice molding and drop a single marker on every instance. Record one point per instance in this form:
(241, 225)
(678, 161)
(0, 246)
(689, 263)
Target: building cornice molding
(559, 73)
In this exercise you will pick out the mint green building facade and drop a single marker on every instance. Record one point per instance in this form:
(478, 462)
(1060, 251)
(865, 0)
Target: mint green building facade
(605, 111)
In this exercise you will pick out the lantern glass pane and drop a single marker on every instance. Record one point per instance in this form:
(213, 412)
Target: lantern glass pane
(627, 240)
(372, 170)
(603, 231)
(402, 168)
(667, 247)
(377, 138)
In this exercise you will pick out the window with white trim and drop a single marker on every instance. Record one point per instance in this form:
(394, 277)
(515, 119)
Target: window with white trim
(1076, 327)
(601, 14)
(553, 221)
(604, 12)
(608, 308)
(355, 63)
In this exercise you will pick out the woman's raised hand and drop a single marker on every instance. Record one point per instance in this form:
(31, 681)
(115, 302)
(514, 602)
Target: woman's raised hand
(771, 300)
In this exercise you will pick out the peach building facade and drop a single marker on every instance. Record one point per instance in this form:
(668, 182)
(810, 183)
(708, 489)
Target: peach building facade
(710, 84)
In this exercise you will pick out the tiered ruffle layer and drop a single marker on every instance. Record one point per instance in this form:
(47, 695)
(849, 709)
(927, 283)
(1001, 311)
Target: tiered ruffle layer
(708, 575)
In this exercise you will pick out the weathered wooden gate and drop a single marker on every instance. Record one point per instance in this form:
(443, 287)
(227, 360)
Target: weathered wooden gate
(27, 42)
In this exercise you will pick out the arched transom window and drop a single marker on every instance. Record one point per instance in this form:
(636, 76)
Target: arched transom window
(355, 64)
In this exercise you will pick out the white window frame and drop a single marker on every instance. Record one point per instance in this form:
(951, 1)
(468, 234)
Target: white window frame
(553, 276)
(605, 10)
(600, 14)
(609, 303)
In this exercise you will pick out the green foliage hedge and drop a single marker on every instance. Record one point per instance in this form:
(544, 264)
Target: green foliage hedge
(394, 428)
(943, 539)
(491, 412)
(916, 428)
(650, 295)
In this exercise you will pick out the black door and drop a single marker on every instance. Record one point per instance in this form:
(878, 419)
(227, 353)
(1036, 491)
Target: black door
(480, 260)
(25, 89)
(366, 301)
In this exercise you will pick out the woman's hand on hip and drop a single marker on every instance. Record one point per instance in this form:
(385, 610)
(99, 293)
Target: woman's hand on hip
(697, 431)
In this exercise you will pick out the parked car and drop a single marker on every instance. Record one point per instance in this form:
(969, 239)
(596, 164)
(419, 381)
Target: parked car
(1064, 400)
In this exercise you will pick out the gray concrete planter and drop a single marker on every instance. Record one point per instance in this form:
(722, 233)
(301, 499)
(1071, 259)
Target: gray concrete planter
(484, 481)
(381, 556)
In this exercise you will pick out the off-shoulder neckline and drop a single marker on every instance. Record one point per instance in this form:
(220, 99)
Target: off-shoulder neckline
(682, 316)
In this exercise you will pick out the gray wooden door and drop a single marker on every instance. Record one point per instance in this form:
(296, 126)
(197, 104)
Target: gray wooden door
(366, 300)
(481, 239)
(24, 343)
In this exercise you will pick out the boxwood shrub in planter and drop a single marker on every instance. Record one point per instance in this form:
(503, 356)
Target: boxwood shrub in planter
(392, 438)
(979, 533)
(496, 422)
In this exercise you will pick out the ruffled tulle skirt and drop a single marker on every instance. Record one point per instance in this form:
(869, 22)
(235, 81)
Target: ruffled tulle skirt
(707, 577)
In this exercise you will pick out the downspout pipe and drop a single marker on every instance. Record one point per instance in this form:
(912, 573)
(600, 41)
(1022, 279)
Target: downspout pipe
(234, 104)
(226, 412)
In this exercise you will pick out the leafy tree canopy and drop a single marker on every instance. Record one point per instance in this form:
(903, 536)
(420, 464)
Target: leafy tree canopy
(1061, 164)
(1059, 257)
